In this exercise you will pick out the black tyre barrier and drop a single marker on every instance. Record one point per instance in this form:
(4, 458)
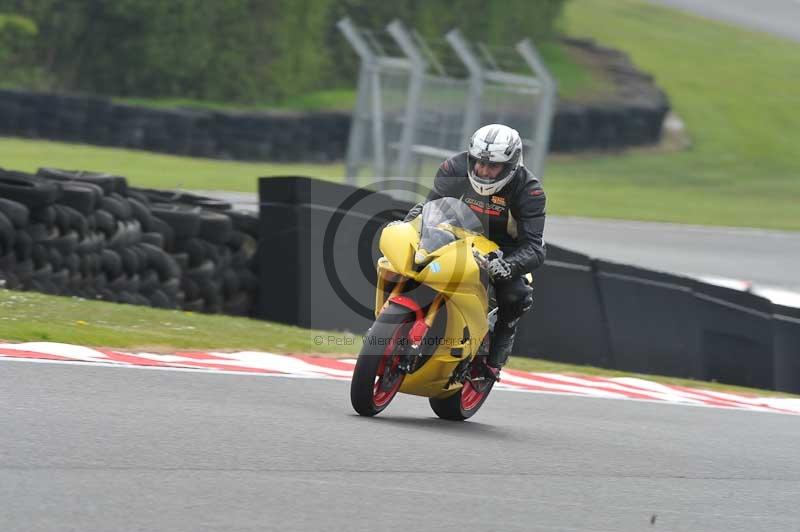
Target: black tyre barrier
(111, 263)
(183, 219)
(194, 250)
(202, 272)
(149, 282)
(79, 233)
(214, 227)
(45, 214)
(7, 235)
(23, 245)
(186, 198)
(104, 221)
(82, 197)
(627, 120)
(167, 233)
(160, 262)
(244, 222)
(16, 212)
(28, 189)
(107, 182)
(69, 219)
(118, 207)
(65, 243)
(41, 233)
(159, 299)
(141, 212)
(155, 239)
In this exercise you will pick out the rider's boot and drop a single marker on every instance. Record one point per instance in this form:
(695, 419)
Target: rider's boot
(501, 344)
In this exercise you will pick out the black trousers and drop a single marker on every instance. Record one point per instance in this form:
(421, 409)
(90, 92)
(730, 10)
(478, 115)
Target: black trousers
(514, 298)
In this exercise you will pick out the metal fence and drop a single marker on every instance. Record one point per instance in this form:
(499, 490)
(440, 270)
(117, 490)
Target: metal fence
(419, 101)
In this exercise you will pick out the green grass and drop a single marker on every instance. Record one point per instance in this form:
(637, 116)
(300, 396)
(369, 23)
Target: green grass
(577, 81)
(32, 317)
(28, 316)
(736, 90)
(152, 169)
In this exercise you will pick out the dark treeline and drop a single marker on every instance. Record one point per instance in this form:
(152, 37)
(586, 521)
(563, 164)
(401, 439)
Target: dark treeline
(226, 50)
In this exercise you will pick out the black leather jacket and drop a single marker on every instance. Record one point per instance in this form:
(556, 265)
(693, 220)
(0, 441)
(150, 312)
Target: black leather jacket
(513, 218)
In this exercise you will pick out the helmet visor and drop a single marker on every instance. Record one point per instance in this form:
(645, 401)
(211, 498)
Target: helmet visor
(486, 171)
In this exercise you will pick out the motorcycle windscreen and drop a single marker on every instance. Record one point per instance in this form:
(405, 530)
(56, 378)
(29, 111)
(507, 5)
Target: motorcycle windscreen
(445, 220)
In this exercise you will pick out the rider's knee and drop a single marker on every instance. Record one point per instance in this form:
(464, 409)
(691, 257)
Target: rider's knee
(516, 299)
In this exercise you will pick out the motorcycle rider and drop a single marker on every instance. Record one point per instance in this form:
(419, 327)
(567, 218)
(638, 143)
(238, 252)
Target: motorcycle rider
(510, 202)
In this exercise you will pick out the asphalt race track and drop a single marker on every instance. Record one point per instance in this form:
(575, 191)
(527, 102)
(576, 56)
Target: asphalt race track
(99, 448)
(778, 17)
(764, 257)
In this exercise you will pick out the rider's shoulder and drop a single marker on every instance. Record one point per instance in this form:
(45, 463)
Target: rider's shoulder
(527, 181)
(455, 166)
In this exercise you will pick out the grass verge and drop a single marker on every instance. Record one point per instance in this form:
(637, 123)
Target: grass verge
(152, 169)
(735, 89)
(29, 317)
(32, 317)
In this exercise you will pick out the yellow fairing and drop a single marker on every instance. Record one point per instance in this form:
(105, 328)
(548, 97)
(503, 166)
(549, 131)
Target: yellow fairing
(453, 272)
(398, 244)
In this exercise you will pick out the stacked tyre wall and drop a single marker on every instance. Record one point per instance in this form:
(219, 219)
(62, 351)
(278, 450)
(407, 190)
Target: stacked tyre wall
(273, 136)
(93, 236)
(284, 136)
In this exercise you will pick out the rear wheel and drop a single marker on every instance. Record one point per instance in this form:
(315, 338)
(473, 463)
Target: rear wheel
(467, 401)
(376, 377)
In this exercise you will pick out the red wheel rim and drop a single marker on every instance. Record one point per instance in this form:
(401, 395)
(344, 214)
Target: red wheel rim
(470, 397)
(379, 396)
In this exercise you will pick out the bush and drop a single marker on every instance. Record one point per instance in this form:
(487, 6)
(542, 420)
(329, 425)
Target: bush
(17, 42)
(231, 50)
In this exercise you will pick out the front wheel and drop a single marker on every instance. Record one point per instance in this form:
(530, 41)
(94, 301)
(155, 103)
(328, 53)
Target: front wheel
(467, 401)
(376, 376)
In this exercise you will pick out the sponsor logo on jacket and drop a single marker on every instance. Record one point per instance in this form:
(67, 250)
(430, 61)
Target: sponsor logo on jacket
(484, 207)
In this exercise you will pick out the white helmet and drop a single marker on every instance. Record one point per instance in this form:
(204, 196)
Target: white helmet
(494, 143)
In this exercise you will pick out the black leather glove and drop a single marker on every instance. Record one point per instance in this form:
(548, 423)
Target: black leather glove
(415, 211)
(499, 269)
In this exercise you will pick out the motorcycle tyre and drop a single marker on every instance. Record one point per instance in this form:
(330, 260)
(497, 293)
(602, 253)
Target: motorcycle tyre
(362, 387)
(452, 408)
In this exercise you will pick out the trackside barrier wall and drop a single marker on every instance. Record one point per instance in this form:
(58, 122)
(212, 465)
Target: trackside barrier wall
(585, 311)
(736, 336)
(652, 320)
(567, 322)
(786, 321)
(318, 251)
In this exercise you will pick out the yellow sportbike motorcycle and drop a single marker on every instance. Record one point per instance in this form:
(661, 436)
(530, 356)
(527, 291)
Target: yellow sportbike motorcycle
(431, 333)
